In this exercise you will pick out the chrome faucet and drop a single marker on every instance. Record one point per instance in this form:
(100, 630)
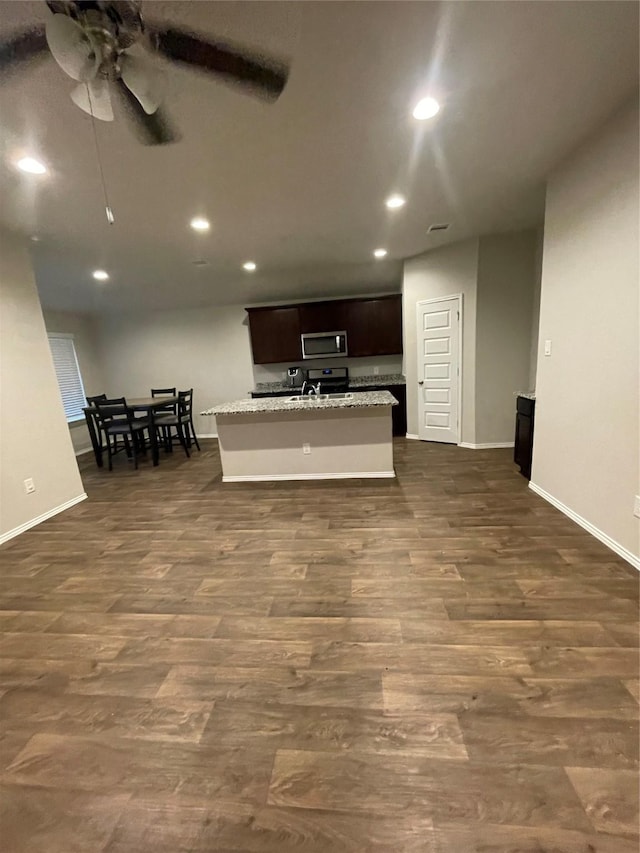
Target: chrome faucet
(309, 388)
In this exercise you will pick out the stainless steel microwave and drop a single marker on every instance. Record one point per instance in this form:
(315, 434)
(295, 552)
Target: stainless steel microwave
(324, 345)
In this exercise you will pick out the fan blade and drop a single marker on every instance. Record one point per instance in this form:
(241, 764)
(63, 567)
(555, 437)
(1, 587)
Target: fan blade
(22, 47)
(151, 129)
(146, 82)
(72, 48)
(266, 78)
(93, 97)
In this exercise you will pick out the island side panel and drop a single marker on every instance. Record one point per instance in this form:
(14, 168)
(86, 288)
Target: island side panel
(354, 442)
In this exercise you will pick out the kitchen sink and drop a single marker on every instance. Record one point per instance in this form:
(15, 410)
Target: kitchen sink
(309, 399)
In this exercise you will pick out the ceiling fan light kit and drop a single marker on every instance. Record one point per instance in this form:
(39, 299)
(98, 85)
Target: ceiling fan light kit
(107, 47)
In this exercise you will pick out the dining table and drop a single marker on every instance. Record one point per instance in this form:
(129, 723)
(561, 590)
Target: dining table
(147, 405)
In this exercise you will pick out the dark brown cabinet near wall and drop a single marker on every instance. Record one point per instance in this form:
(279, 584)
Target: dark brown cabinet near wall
(523, 447)
(373, 326)
(399, 412)
(275, 334)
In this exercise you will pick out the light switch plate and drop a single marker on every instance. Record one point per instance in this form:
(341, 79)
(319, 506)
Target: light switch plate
(547, 347)
(636, 506)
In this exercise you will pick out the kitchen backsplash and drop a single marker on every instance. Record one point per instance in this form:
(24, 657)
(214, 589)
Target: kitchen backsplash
(357, 367)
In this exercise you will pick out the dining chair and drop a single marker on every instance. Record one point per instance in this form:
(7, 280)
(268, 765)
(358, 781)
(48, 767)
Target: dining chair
(117, 420)
(179, 422)
(165, 392)
(187, 397)
(91, 401)
(170, 408)
(94, 427)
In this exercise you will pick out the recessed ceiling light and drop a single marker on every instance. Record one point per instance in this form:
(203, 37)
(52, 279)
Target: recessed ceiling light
(380, 253)
(199, 223)
(100, 275)
(32, 166)
(395, 201)
(426, 108)
(249, 266)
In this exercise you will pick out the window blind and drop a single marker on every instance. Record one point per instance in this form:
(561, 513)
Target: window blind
(68, 373)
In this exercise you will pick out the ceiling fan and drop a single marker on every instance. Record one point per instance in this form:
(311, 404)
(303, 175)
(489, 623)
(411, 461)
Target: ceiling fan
(109, 49)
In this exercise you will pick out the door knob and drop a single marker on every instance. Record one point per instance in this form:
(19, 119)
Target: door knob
(420, 382)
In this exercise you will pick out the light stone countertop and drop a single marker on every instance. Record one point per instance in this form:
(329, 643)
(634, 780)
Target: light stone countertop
(359, 400)
(528, 395)
(388, 379)
(354, 382)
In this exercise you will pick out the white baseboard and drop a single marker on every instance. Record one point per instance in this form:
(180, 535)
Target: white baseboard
(40, 518)
(89, 449)
(342, 475)
(619, 549)
(491, 445)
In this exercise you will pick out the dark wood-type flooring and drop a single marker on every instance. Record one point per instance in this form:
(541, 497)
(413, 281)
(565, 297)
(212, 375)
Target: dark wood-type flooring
(441, 663)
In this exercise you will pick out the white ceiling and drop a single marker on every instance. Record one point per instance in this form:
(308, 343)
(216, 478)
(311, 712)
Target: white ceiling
(299, 186)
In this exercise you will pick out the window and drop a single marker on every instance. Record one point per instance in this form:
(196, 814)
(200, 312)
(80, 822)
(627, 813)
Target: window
(68, 373)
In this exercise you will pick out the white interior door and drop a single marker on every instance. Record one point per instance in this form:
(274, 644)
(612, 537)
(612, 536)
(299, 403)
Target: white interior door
(439, 324)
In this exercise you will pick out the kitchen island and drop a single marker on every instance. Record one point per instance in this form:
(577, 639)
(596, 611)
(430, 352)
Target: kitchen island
(395, 383)
(321, 437)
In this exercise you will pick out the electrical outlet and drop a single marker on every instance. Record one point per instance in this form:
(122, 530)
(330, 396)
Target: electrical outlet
(547, 347)
(636, 506)
(29, 485)
(306, 449)
(376, 371)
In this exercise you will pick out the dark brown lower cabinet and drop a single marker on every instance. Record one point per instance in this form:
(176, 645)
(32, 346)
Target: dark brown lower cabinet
(399, 412)
(523, 449)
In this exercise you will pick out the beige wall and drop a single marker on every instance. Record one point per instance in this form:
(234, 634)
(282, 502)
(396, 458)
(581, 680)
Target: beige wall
(34, 438)
(535, 313)
(84, 329)
(587, 430)
(442, 272)
(204, 348)
(506, 278)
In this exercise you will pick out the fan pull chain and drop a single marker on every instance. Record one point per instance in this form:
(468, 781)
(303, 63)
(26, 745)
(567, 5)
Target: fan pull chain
(107, 207)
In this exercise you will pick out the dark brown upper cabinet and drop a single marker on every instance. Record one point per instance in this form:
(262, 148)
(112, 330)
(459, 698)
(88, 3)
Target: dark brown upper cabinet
(375, 326)
(330, 316)
(275, 334)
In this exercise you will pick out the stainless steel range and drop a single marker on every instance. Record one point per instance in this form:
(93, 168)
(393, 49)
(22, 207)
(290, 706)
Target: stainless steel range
(328, 380)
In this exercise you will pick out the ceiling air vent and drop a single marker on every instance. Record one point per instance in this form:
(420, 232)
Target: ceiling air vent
(200, 263)
(439, 227)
